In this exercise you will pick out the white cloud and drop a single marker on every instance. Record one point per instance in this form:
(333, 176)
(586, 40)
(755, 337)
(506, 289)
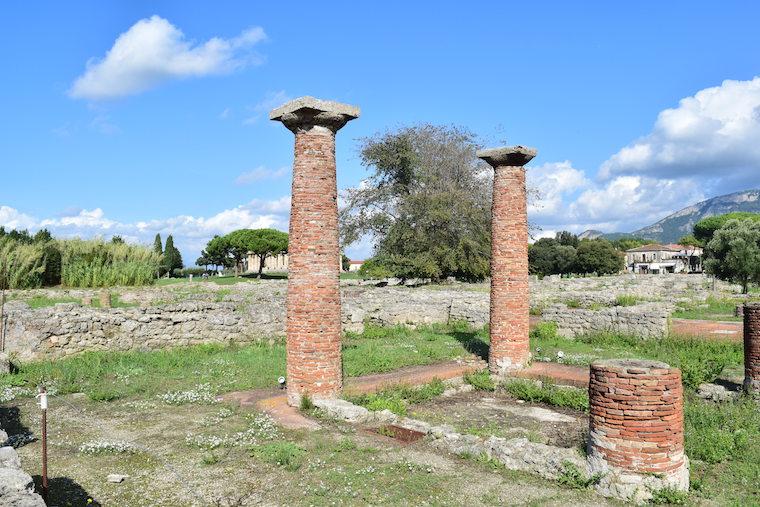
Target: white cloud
(553, 180)
(270, 101)
(153, 51)
(712, 135)
(260, 173)
(190, 233)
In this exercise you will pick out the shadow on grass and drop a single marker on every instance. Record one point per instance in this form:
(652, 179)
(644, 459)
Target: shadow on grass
(65, 491)
(472, 343)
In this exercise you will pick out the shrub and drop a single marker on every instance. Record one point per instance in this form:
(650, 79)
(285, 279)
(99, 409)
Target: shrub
(572, 477)
(626, 300)
(669, 496)
(480, 380)
(374, 270)
(550, 394)
(544, 331)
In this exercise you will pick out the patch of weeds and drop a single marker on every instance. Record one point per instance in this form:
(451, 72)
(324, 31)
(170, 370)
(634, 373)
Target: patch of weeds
(626, 300)
(480, 380)
(716, 432)
(669, 496)
(398, 398)
(95, 447)
(45, 301)
(103, 394)
(544, 331)
(210, 459)
(536, 310)
(573, 303)
(548, 393)
(284, 454)
(571, 476)
(306, 404)
(345, 445)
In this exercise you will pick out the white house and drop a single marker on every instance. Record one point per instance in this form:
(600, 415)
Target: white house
(657, 259)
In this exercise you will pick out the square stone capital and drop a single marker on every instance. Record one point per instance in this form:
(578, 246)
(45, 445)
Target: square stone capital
(307, 112)
(516, 156)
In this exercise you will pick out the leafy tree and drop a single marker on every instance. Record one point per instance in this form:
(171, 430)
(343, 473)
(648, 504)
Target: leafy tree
(218, 252)
(426, 203)
(548, 256)
(567, 238)
(705, 228)
(627, 242)
(263, 243)
(566, 259)
(117, 240)
(42, 236)
(599, 256)
(345, 262)
(172, 256)
(157, 247)
(689, 240)
(203, 261)
(733, 253)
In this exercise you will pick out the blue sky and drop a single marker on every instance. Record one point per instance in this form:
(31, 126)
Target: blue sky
(637, 109)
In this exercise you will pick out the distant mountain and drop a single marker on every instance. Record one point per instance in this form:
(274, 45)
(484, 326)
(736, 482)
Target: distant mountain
(673, 227)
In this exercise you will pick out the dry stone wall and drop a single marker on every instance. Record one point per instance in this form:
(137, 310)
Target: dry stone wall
(191, 313)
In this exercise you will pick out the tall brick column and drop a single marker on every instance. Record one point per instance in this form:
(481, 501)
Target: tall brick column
(752, 347)
(313, 326)
(510, 300)
(636, 428)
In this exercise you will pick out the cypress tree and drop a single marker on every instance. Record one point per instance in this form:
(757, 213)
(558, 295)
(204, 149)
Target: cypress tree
(172, 257)
(157, 245)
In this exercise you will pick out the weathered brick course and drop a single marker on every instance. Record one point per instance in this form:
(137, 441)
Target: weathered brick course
(636, 426)
(752, 347)
(313, 321)
(510, 297)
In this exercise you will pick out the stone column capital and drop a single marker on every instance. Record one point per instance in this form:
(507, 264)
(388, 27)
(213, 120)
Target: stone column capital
(305, 113)
(514, 156)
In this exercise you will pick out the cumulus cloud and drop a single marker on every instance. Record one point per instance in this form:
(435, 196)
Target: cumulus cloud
(153, 51)
(711, 135)
(260, 173)
(553, 181)
(190, 233)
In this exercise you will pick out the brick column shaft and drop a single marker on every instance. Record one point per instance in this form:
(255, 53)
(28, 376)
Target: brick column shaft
(510, 298)
(636, 427)
(752, 347)
(313, 322)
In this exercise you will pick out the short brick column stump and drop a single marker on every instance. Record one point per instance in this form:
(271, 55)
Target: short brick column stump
(752, 348)
(636, 440)
(313, 322)
(510, 298)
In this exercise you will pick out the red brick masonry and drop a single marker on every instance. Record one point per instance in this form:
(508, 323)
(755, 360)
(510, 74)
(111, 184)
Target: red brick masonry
(510, 300)
(313, 323)
(752, 347)
(636, 421)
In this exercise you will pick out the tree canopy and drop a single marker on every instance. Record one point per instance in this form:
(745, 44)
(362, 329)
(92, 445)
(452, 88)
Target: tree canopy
(427, 204)
(733, 253)
(599, 256)
(231, 249)
(705, 228)
(172, 258)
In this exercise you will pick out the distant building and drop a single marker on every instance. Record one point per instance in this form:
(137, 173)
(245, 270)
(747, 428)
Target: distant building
(355, 266)
(659, 259)
(279, 263)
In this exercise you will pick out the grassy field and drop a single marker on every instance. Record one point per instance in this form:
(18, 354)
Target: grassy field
(712, 309)
(162, 403)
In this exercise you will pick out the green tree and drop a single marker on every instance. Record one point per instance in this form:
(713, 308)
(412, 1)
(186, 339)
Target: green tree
(733, 253)
(116, 240)
(172, 257)
(705, 228)
(549, 257)
(345, 262)
(218, 252)
(599, 256)
(426, 204)
(157, 246)
(262, 243)
(567, 238)
(627, 242)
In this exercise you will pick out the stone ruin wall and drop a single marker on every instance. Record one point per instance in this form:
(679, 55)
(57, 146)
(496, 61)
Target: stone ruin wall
(175, 316)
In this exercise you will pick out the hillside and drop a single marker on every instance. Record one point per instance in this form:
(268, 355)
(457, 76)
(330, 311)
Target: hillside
(671, 228)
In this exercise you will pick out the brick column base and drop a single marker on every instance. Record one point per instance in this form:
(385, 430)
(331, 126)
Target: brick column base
(752, 347)
(636, 428)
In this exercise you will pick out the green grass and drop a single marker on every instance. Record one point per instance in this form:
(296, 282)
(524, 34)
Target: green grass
(626, 300)
(219, 280)
(700, 360)
(45, 301)
(116, 302)
(712, 309)
(398, 398)
(284, 454)
(528, 390)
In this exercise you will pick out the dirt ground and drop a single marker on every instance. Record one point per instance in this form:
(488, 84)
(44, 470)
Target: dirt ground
(218, 454)
(497, 414)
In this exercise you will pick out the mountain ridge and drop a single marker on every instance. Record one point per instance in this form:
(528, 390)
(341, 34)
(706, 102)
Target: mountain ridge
(676, 225)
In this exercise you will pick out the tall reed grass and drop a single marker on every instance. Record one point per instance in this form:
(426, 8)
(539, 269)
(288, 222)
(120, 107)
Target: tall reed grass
(22, 266)
(95, 263)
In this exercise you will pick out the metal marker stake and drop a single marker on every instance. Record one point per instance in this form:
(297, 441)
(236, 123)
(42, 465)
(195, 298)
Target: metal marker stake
(44, 405)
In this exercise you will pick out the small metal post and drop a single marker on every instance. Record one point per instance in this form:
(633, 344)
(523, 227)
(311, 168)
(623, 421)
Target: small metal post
(44, 406)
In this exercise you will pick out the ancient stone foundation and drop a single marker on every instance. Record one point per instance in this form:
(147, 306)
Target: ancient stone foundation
(752, 347)
(510, 297)
(313, 322)
(636, 428)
